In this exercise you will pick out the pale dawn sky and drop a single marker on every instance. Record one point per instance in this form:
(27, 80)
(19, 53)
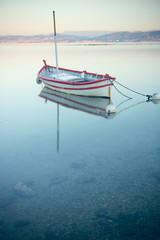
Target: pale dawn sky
(29, 17)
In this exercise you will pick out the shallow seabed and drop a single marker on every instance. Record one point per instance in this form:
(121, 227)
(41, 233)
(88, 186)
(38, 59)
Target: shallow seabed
(70, 175)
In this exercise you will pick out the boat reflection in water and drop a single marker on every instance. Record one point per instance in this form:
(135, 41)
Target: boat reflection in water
(93, 105)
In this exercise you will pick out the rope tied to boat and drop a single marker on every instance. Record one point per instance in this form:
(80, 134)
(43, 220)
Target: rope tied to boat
(144, 95)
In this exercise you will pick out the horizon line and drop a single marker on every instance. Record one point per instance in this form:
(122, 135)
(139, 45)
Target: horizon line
(85, 31)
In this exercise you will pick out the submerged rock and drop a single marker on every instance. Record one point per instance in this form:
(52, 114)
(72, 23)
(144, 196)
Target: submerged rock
(58, 180)
(29, 183)
(78, 165)
(85, 180)
(23, 190)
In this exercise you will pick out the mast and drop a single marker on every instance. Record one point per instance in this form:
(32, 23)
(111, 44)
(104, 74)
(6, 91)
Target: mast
(55, 40)
(57, 127)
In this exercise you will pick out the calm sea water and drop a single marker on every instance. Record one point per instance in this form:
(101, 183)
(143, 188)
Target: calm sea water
(71, 175)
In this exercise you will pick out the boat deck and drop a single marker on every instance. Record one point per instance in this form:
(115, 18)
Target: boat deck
(68, 76)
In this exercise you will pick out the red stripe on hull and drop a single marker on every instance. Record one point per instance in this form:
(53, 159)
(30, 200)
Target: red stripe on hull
(72, 84)
(74, 89)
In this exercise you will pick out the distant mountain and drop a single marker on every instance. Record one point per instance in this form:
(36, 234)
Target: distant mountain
(89, 34)
(41, 38)
(151, 36)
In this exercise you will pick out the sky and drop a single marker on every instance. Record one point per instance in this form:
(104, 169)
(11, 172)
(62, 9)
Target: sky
(30, 17)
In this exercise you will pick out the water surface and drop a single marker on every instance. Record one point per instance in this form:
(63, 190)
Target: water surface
(92, 177)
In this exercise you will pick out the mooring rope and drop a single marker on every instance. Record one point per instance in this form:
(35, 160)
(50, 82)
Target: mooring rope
(121, 92)
(145, 95)
(131, 89)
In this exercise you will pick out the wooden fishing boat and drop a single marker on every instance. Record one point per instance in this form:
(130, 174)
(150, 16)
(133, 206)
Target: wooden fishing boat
(74, 82)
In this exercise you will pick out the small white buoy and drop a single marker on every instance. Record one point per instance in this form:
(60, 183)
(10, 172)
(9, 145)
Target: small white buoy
(111, 108)
(38, 81)
(156, 96)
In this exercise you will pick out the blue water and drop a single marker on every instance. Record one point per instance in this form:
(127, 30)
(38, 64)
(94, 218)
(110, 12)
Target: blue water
(91, 177)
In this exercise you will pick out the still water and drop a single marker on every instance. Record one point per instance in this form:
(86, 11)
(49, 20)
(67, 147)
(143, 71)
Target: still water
(67, 174)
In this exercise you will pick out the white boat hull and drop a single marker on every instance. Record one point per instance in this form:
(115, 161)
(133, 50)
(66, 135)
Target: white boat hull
(76, 82)
(97, 89)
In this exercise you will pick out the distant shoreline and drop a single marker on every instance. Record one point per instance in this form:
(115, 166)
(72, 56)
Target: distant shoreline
(86, 44)
(112, 37)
